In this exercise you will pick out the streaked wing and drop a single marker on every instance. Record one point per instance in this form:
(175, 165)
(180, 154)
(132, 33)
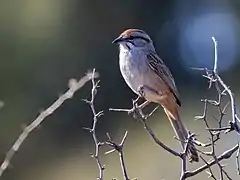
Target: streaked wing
(158, 66)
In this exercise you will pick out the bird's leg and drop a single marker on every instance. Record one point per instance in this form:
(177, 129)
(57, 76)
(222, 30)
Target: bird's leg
(141, 90)
(144, 104)
(140, 100)
(137, 109)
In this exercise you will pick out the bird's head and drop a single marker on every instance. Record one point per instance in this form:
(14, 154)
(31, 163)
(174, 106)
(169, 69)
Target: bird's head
(133, 38)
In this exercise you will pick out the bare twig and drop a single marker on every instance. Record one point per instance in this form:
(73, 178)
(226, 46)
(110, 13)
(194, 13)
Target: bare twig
(237, 160)
(74, 86)
(212, 76)
(211, 175)
(92, 130)
(119, 148)
(227, 89)
(184, 156)
(225, 155)
(215, 67)
(213, 153)
(204, 118)
(226, 129)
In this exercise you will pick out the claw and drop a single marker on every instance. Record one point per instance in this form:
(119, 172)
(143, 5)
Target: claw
(141, 91)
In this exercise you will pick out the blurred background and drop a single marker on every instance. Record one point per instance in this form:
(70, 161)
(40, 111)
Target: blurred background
(45, 43)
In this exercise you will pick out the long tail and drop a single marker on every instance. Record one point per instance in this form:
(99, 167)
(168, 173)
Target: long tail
(182, 133)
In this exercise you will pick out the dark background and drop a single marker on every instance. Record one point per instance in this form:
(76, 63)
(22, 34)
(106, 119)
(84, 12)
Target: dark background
(45, 43)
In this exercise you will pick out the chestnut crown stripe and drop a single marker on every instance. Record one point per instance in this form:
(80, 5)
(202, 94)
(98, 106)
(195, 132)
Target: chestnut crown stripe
(130, 31)
(131, 37)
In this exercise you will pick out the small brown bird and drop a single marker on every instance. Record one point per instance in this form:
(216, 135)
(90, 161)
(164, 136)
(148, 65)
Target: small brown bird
(148, 76)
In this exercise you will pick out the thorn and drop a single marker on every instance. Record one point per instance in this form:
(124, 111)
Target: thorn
(88, 129)
(199, 117)
(108, 136)
(110, 151)
(86, 101)
(208, 77)
(223, 165)
(198, 69)
(124, 138)
(92, 155)
(209, 174)
(213, 102)
(100, 113)
(100, 143)
(97, 84)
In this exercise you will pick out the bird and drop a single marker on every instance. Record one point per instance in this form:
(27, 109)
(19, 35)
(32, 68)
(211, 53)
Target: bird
(149, 77)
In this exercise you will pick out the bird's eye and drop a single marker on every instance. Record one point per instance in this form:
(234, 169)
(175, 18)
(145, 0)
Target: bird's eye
(131, 37)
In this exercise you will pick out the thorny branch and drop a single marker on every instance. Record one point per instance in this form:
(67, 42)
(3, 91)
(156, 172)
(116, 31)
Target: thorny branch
(213, 77)
(74, 86)
(225, 155)
(116, 147)
(212, 139)
(119, 149)
(92, 130)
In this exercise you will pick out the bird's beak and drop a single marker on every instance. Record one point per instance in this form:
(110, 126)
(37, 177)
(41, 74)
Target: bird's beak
(118, 40)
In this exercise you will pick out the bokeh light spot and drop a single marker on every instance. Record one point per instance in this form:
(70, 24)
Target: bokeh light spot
(195, 43)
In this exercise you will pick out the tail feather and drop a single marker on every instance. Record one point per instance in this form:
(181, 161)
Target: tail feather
(182, 134)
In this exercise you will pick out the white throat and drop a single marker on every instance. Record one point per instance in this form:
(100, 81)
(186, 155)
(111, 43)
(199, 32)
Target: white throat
(124, 48)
